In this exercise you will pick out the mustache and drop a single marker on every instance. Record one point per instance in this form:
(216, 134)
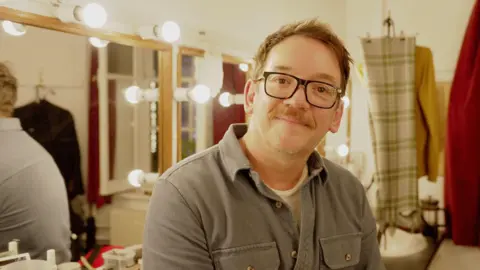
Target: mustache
(297, 115)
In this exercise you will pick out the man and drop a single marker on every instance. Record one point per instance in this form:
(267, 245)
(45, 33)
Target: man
(33, 197)
(263, 198)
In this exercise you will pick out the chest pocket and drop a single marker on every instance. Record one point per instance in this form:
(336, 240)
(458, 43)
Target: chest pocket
(252, 257)
(341, 251)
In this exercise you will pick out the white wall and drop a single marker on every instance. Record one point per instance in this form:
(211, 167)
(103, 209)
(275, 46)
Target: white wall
(440, 25)
(64, 61)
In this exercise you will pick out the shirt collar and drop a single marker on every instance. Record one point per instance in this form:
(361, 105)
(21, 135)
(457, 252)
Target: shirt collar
(235, 160)
(10, 124)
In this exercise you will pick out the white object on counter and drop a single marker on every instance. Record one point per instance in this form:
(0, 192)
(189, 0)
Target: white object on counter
(30, 265)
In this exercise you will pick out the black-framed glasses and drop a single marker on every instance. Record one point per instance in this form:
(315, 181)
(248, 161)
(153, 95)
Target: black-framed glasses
(283, 86)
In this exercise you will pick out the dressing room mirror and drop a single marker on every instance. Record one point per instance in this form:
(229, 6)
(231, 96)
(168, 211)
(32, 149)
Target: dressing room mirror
(187, 110)
(132, 123)
(53, 95)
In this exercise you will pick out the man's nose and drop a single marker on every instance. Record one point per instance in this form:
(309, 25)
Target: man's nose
(299, 98)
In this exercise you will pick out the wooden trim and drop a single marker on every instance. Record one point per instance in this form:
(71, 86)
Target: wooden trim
(230, 59)
(55, 24)
(349, 122)
(179, 106)
(165, 114)
(191, 51)
(233, 59)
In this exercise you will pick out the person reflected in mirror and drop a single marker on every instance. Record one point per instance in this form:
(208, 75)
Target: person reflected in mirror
(33, 197)
(263, 197)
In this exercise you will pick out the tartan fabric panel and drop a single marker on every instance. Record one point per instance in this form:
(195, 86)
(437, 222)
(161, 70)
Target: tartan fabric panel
(390, 64)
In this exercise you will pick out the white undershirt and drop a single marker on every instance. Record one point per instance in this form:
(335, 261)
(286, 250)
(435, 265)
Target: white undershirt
(292, 197)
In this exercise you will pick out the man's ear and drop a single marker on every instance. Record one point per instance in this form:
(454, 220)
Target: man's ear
(337, 117)
(250, 91)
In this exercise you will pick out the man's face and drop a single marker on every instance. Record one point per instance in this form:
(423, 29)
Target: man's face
(293, 125)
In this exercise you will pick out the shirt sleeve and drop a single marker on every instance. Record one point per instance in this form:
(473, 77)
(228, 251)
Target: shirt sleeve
(174, 237)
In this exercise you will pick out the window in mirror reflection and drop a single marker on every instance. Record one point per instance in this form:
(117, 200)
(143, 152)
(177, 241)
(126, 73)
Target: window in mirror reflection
(133, 129)
(188, 134)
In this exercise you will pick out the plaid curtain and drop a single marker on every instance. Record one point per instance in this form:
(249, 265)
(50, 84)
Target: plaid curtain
(390, 67)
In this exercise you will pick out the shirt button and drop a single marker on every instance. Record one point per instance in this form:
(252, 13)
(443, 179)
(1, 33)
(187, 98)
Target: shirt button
(348, 257)
(278, 204)
(250, 268)
(294, 254)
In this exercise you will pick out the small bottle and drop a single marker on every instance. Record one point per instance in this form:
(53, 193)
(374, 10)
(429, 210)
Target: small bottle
(51, 258)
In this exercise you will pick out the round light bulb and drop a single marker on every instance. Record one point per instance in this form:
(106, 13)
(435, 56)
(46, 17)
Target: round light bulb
(200, 93)
(346, 102)
(342, 150)
(170, 31)
(99, 43)
(224, 99)
(94, 15)
(134, 177)
(243, 67)
(133, 94)
(14, 29)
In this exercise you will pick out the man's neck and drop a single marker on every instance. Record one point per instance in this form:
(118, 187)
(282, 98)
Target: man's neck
(280, 171)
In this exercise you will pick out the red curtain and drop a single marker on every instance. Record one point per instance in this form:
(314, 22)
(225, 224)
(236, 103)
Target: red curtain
(93, 193)
(233, 81)
(462, 176)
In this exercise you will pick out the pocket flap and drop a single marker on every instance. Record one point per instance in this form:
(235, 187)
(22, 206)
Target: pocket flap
(341, 251)
(258, 256)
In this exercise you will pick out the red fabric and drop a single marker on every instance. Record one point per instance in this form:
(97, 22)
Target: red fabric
(98, 261)
(462, 176)
(93, 188)
(233, 81)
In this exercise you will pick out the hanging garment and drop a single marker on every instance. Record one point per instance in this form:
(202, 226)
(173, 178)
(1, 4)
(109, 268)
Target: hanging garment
(54, 128)
(462, 162)
(390, 65)
(426, 115)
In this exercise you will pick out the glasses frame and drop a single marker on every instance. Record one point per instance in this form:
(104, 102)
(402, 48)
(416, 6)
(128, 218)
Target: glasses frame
(303, 82)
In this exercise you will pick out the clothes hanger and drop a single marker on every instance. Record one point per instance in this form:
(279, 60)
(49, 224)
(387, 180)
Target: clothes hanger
(41, 90)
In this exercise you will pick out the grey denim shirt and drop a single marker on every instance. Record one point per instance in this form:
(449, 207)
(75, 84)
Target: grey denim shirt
(211, 211)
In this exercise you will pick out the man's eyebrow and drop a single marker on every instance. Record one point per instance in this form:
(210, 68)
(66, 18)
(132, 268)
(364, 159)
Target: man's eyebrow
(321, 76)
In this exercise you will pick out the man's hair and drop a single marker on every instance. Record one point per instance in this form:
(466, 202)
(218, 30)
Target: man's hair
(309, 28)
(8, 90)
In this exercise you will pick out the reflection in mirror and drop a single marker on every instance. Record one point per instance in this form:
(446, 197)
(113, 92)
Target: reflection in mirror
(132, 128)
(188, 108)
(234, 79)
(52, 71)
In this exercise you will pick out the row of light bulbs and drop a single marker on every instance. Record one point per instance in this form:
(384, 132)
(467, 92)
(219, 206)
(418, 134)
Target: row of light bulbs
(95, 16)
(200, 94)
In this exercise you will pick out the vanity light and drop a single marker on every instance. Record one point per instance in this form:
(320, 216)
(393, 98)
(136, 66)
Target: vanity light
(243, 67)
(93, 15)
(138, 178)
(200, 94)
(99, 43)
(133, 94)
(168, 31)
(346, 102)
(14, 29)
(342, 150)
(226, 99)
